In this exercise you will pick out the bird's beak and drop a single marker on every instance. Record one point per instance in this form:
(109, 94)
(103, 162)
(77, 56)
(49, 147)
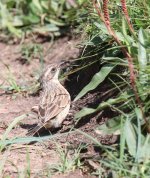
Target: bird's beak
(61, 64)
(57, 73)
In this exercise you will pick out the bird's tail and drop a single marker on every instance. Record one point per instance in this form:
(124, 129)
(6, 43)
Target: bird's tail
(34, 130)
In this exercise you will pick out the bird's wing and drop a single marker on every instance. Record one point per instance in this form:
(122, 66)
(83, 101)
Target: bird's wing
(53, 103)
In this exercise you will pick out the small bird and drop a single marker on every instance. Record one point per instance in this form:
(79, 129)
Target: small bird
(54, 101)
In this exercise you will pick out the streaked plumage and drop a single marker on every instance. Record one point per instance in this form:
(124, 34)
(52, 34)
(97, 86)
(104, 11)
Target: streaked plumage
(54, 101)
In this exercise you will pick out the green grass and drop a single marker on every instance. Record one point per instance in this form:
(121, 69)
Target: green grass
(31, 51)
(43, 17)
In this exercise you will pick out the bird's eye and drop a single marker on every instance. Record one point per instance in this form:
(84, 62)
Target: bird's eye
(53, 70)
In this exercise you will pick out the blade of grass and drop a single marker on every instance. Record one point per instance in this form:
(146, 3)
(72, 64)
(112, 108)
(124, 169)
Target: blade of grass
(98, 78)
(26, 140)
(8, 130)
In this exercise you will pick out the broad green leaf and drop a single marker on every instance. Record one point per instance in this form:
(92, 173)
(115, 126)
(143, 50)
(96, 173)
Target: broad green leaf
(30, 19)
(120, 36)
(37, 5)
(143, 143)
(96, 80)
(8, 130)
(142, 56)
(46, 28)
(128, 40)
(35, 8)
(130, 137)
(17, 21)
(111, 126)
(145, 150)
(81, 1)
(122, 139)
(31, 139)
(139, 119)
(6, 21)
(55, 22)
(143, 64)
(102, 27)
(109, 102)
(11, 125)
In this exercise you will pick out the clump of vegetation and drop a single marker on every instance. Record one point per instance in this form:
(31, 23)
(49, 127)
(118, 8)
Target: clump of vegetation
(132, 101)
(30, 51)
(41, 17)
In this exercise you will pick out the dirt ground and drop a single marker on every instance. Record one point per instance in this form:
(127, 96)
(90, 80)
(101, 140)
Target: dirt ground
(14, 104)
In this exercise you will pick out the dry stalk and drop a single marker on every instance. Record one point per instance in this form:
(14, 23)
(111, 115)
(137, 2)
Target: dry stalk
(125, 11)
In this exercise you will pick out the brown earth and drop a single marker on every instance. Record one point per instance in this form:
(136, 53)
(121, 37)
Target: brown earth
(14, 104)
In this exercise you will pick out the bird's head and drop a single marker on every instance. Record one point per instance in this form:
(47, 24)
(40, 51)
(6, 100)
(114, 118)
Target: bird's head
(51, 73)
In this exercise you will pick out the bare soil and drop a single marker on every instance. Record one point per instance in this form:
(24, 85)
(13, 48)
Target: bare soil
(13, 104)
